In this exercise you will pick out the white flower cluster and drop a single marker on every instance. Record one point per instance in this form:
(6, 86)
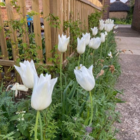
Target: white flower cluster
(21, 115)
(43, 86)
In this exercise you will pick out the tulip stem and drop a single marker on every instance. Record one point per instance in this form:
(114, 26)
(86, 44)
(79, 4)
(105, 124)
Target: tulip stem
(83, 58)
(93, 57)
(79, 61)
(36, 125)
(106, 46)
(88, 51)
(101, 52)
(91, 108)
(61, 59)
(40, 122)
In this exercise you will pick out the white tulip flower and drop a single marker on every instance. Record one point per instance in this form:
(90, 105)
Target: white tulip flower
(85, 77)
(81, 45)
(101, 26)
(95, 43)
(42, 92)
(101, 21)
(102, 37)
(106, 33)
(63, 43)
(109, 21)
(94, 31)
(27, 71)
(87, 38)
(110, 54)
(109, 27)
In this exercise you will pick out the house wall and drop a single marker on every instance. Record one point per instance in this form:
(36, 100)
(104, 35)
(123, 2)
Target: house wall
(118, 15)
(136, 16)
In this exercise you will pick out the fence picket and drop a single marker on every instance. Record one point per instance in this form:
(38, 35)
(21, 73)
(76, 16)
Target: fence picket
(3, 39)
(22, 5)
(37, 28)
(3, 46)
(47, 30)
(13, 34)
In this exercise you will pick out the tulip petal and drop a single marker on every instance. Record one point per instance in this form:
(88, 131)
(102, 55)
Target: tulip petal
(85, 77)
(18, 69)
(90, 70)
(87, 83)
(41, 97)
(78, 75)
(52, 84)
(33, 66)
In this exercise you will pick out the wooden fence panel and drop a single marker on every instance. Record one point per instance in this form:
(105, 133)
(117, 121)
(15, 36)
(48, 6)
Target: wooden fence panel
(54, 31)
(23, 13)
(13, 34)
(65, 19)
(68, 18)
(56, 8)
(60, 15)
(74, 10)
(37, 27)
(65, 9)
(3, 39)
(47, 30)
(3, 46)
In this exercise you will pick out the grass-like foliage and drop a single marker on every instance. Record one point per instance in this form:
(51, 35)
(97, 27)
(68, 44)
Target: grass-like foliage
(69, 120)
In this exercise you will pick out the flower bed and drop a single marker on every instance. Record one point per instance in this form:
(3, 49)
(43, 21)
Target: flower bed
(81, 106)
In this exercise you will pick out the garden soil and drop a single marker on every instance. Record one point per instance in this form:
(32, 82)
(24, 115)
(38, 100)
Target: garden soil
(128, 41)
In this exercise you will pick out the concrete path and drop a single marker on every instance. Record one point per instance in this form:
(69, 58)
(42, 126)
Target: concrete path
(129, 41)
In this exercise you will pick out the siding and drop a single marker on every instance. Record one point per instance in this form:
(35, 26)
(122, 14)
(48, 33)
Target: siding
(118, 15)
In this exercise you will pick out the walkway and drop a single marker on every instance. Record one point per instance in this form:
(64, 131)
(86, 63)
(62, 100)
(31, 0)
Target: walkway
(129, 81)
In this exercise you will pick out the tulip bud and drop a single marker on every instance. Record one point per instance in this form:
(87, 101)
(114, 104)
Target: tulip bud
(85, 77)
(101, 26)
(110, 54)
(102, 37)
(81, 45)
(94, 31)
(27, 71)
(63, 43)
(87, 38)
(42, 92)
(95, 43)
